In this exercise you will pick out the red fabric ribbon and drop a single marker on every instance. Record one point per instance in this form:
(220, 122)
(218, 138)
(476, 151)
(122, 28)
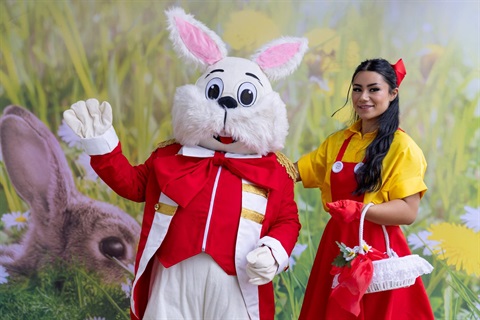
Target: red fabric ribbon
(400, 71)
(182, 177)
(353, 281)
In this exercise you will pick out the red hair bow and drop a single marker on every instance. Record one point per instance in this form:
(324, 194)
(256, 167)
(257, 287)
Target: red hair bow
(400, 71)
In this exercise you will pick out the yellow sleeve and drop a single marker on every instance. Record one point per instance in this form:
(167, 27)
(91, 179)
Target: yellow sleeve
(404, 167)
(311, 167)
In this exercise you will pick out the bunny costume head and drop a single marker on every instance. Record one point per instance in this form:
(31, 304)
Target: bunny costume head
(232, 107)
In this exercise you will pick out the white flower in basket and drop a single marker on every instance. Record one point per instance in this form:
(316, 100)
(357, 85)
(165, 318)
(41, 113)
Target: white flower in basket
(390, 273)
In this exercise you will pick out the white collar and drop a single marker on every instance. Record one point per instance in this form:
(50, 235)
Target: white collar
(200, 152)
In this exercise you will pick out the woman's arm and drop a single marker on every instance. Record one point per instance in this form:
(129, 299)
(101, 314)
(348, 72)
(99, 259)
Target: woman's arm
(395, 212)
(298, 178)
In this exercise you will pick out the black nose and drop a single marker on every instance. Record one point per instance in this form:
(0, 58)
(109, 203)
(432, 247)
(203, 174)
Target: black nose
(227, 102)
(112, 247)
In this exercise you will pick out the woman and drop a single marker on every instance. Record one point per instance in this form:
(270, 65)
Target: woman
(372, 161)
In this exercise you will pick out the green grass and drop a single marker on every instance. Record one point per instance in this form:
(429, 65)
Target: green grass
(60, 293)
(53, 53)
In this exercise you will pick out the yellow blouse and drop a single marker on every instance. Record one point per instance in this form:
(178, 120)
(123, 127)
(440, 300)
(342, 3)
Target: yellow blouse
(403, 169)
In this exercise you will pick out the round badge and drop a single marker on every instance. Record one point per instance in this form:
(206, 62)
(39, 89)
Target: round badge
(337, 167)
(358, 166)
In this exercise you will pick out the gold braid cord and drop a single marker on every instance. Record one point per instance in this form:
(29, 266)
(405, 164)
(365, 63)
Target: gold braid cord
(287, 164)
(166, 143)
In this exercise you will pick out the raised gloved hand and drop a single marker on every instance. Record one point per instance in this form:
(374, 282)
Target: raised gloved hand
(89, 119)
(261, 266)
(345, 210)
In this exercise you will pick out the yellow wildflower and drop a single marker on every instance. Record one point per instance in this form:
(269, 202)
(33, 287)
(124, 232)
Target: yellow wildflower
(325, 38)
(323, 45)
(458, 245)
(352, 55)
(248, 30)
(429, 57)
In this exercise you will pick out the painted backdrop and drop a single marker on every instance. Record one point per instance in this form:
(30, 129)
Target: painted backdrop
(67, 241)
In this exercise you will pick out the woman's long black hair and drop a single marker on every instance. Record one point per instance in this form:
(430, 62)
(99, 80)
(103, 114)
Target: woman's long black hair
(369, 176)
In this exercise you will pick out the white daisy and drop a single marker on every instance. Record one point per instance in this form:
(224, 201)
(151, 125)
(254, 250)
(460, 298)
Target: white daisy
(365, 247)
(302, 205)
(3, 275)
(296, 252)
(68, 136)
(472, 90)
(472, 218)
(131, 268)
(420, 240)
(84, 161)
(18, 220)
(127, 288)
(321, 82)
(350, 253)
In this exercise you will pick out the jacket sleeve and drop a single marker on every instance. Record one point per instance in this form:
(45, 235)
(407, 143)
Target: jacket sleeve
(283, 231)
(126, 180)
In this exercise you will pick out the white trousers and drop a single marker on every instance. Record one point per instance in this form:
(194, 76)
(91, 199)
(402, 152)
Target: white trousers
(196, 288)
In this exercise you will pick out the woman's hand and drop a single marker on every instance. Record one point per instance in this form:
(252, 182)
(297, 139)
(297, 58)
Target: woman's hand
(394, 212)
(345, 210)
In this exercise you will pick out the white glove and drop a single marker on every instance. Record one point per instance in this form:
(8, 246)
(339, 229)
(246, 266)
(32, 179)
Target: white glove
(89, 119)
(261, 266)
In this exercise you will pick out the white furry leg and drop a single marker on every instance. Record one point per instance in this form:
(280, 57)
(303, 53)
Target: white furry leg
(196, 288)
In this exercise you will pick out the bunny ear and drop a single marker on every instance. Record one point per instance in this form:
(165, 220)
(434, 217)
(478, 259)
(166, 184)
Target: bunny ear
(192, 40)
(281, 57)
(35, 163)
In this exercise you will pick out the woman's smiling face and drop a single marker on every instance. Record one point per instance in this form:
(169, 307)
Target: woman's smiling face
(371, 97)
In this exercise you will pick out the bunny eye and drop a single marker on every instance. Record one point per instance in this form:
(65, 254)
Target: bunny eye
(112, 247)
(214, 89)
(247, 94)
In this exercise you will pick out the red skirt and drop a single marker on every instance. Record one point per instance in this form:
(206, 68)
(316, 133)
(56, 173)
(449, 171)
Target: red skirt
(406, 303)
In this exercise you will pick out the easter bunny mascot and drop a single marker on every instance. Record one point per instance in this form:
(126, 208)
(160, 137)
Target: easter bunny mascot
(220, 219)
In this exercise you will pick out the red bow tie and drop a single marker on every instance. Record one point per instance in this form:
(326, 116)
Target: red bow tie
(181, 177)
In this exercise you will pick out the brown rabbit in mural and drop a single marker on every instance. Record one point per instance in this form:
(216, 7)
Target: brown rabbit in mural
(64, 224)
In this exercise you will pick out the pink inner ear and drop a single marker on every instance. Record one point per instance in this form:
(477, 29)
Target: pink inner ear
(277, 55)
(198, 42)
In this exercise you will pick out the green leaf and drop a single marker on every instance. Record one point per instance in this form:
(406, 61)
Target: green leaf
(339, 261)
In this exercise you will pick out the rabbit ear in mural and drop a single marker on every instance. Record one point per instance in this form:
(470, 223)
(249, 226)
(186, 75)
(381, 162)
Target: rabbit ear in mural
(64, 225)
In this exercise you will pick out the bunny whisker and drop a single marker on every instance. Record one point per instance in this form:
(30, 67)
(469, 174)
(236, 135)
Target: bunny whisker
(121, 264)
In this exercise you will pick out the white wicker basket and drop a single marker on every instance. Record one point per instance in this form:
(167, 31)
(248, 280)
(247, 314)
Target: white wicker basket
(393, 272)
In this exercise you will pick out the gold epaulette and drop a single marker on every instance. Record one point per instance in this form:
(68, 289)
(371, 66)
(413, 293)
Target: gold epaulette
(287, 164)
(166, 143)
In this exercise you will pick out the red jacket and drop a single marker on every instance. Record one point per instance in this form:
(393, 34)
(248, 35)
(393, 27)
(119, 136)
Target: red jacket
(188, 184)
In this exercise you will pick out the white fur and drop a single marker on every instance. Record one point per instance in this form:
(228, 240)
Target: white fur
(291, 65)
(180, 47)
(259, 128)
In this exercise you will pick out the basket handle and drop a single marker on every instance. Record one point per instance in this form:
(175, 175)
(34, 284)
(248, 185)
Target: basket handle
(360, 232)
